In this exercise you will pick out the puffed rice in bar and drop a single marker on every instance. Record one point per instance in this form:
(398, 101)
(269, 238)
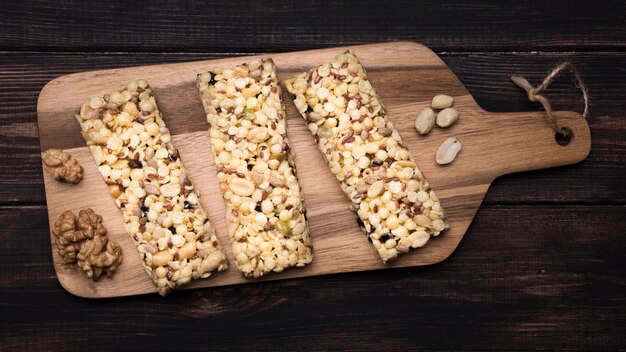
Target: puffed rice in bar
(256, 171)
(133, 150)
(395, 205)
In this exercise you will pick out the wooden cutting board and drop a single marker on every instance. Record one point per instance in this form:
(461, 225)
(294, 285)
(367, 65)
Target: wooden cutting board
(405, 74)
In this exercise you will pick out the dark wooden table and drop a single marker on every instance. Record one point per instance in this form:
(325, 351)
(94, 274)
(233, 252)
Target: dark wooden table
(541, 267)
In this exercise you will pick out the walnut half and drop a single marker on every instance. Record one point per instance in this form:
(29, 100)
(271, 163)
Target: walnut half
(85, 241)
(69, 237)
(62, 166)
(99, 255)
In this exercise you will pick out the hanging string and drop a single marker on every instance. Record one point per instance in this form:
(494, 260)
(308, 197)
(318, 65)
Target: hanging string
(534, 93)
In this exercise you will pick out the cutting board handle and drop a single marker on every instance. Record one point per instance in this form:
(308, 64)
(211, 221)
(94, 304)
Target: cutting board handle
(526, 141)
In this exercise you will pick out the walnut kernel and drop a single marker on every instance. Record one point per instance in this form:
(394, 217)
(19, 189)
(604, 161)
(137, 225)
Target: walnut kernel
(68, 237)
(99, 255)
(62, 166)
(85, 241)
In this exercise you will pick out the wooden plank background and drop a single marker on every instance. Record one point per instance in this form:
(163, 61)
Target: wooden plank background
(541, 267)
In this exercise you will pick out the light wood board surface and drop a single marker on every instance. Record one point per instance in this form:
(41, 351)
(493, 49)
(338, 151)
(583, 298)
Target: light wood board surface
(406, 75)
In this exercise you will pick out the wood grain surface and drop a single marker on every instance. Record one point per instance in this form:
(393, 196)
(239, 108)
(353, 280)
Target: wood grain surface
(259, 26)
(493, 145)
(541, 265)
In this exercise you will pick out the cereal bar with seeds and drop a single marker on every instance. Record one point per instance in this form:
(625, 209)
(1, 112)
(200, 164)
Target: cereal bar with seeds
(133, 150)
(394, 203)
(256, 171)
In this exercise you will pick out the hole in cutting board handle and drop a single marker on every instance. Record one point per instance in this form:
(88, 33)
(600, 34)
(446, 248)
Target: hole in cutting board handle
(563, 136)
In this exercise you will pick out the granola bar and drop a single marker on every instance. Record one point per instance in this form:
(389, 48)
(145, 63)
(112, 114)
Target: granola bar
(133, 150)
(393, 201)
(257, 175)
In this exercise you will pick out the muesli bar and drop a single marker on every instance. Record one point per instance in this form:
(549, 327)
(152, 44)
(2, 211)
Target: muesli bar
(257, 175)
(395, 205)
(162, 213)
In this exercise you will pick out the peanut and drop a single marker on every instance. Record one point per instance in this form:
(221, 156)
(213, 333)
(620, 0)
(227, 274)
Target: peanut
(447, 117)
(425, 121)
(448, 151)
(162, 258)
(442, 101)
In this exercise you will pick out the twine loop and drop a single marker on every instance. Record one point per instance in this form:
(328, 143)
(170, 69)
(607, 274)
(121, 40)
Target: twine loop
(534, 93)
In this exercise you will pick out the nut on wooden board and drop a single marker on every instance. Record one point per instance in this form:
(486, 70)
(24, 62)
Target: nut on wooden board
(448, 151)
(425, 121)
(84, 241)
(62, 166)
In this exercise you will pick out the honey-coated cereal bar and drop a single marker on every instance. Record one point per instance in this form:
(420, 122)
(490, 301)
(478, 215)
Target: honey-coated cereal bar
(133, 150)
(257, 175)
(395, 205)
